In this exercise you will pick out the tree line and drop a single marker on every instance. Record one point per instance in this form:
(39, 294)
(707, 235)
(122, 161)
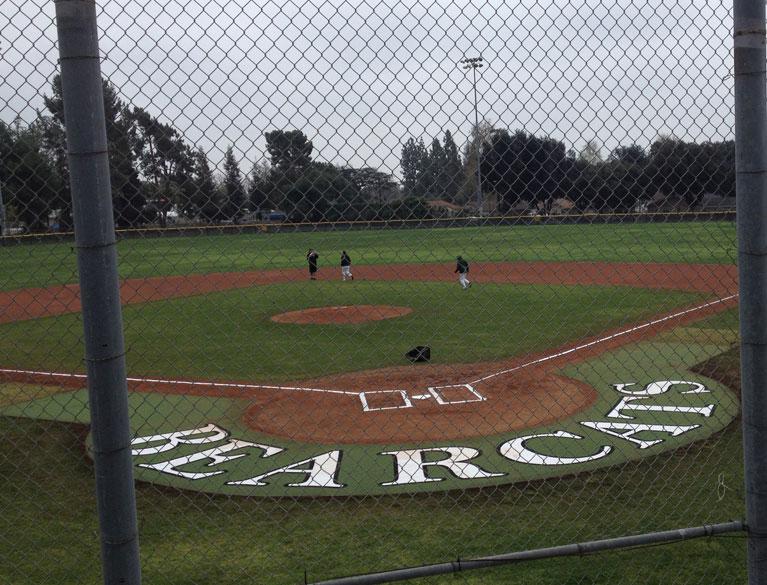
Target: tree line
(522, 167)
(154, 171)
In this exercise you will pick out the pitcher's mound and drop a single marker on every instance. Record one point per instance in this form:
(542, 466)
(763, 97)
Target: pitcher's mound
(343, 314)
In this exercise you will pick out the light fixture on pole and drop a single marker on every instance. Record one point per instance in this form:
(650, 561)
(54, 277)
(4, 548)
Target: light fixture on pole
(475, 63)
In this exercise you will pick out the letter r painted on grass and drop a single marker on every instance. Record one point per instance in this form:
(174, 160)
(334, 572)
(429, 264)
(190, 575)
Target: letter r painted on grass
(410, 465)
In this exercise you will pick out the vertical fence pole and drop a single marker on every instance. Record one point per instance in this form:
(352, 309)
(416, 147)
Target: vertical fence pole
(2, 214)
(751, 172)
(85, 125)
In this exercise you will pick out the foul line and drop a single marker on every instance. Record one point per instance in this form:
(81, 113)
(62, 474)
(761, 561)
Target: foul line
(606, 338)
(242, 386)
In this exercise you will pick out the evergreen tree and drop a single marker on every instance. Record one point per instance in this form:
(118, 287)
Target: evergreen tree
(416, 169)
(206, 197)
(260, 187)
(410, 164)
(233, 189)
(437, 179)
(452, 170)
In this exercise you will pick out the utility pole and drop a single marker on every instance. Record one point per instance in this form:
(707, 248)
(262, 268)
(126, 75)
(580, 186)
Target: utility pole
(476, 63)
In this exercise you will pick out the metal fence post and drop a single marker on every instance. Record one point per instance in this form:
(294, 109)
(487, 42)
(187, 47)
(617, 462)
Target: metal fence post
(97, 262)
(751, 170)
(2, 214)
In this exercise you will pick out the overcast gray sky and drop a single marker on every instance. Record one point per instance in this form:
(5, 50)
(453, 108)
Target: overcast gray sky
(360, 77)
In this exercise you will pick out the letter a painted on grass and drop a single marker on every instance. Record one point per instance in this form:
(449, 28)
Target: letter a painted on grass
(320, 471)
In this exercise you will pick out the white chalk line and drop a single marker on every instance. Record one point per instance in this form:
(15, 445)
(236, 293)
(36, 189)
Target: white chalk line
(243, 386)
(606, 338)
(239, 386)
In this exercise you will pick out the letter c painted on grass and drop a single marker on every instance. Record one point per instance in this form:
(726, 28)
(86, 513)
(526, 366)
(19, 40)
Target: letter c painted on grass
(517, 450)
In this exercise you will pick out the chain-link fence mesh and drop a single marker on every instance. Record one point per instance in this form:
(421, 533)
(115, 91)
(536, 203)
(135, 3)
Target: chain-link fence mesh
(403, 283)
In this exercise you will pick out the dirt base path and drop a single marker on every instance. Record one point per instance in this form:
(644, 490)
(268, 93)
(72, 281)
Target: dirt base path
(720, 279)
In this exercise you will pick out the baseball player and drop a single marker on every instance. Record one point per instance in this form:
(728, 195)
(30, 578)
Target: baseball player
(311, 258)
(462, 268)
(346, 266)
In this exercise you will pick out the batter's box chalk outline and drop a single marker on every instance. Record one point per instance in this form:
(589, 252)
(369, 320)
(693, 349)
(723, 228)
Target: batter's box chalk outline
(439, 395)
(366, 406)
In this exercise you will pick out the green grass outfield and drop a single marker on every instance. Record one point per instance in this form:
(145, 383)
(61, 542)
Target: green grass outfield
(47, 264)
(229, 335)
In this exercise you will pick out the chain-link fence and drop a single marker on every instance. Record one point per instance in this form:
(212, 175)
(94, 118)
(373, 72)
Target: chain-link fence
(402, 284)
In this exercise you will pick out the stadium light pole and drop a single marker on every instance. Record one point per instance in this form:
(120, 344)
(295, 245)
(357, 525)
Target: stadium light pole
(475, 63)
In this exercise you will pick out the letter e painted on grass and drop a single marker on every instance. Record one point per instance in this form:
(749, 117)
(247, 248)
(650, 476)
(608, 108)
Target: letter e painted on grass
(410, 465)
(217, 455)
(628, 431)
(517, 450)
(320, 471)
(211, 434)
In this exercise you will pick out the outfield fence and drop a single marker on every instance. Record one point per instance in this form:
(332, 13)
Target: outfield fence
(348, 292)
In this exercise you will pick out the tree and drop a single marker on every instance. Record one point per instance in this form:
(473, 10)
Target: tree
(416, 168)
(479, 135)
(437, 178)
(692, 170)
(321, 193)
(127, 194)
(633, 154)
(591, 152)
(290, 152)
(164, 159)
(521, 166)
(234, 192)
(30, 182)
(260, 186)
(206, 197)
(374, 186)
(452, 170)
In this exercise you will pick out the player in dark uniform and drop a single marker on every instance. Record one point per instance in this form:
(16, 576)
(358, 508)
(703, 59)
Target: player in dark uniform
(311, 258)
(462, 268)
(346, 266)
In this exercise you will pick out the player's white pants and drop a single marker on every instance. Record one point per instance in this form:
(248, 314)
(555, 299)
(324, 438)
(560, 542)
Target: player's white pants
(464, 280)
(346, 272)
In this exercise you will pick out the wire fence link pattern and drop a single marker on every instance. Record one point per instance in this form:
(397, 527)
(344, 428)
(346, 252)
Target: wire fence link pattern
(402, 284)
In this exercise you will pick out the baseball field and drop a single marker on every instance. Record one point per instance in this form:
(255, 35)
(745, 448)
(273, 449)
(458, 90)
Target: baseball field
(584, 386)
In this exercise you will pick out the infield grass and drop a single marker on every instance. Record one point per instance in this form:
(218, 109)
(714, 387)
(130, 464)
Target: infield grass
(48, 264)
(229, 335)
